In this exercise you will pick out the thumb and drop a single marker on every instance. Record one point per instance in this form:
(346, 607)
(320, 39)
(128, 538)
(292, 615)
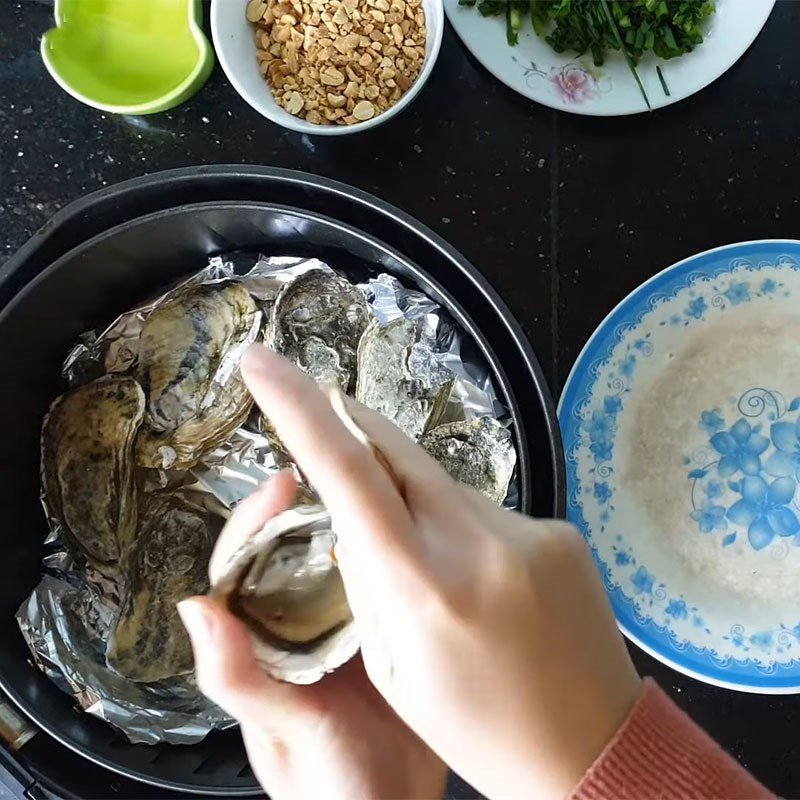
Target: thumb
(228, 673)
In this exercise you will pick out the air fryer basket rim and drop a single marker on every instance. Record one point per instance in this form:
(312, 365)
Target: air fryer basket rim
(463, 318)
(220, 174)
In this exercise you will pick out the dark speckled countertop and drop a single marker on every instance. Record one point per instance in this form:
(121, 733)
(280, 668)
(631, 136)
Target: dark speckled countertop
(563, 214)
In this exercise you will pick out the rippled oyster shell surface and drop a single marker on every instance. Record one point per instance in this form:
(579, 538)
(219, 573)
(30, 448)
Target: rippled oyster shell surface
(399, 376)
(479, 454)
(87, 465)
(284, 583)
(316, 322)
(189, 352)
(167, 563)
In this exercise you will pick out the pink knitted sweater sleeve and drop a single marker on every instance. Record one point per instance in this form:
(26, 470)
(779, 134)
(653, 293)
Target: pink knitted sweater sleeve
(660, 754)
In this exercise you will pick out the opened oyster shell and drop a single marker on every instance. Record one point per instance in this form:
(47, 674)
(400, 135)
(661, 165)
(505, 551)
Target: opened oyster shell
(167, 563)
(480, 454)
(399, 376)
(189, 353)
(316, 322)
(284, 583)
(87, 465)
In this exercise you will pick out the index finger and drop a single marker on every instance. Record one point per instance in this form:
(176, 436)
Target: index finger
(355, 489)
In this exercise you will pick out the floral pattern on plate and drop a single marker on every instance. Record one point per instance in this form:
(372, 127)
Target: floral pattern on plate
(728, 505)
(749, 486)
(573, 83)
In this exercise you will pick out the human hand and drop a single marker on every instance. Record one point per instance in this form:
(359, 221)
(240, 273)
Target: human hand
(489, 633)
(337, 738)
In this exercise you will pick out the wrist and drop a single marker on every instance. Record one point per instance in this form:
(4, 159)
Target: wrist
(573, 742)
(602, 723)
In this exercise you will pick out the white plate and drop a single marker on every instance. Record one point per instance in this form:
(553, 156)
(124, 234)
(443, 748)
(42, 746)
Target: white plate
(681, 427)
(233, 42)
(573, 84)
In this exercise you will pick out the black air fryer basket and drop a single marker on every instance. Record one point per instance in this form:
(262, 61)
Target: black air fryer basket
(100, 256)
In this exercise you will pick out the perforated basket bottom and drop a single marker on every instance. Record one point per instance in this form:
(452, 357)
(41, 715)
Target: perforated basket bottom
(215, 767)
(218, 764)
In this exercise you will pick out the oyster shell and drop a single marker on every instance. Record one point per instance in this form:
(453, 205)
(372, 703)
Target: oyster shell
(283, 458)
(189, 352)
(167, 563)
(284, 583)
(399, 376)
(317, 322)
(87, 465)
(480, 454)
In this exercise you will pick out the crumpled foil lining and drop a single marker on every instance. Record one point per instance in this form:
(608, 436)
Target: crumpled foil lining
(67, 618)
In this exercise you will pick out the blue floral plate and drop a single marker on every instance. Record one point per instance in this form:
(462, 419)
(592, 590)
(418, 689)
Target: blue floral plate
(681, 426)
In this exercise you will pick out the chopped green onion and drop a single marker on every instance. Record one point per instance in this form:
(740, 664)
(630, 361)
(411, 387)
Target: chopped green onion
(669, 28)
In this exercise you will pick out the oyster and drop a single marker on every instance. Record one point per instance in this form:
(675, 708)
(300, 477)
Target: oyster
(398, 375)
(317, 322)
(167, 563)
(189, 352)
(480, 454)
(284, 583)
(87, 465)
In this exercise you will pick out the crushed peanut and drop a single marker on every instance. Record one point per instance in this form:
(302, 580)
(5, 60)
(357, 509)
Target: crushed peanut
(338, 62)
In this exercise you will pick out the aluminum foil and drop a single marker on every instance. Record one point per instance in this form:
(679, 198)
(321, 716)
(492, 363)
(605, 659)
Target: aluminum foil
(67, 618)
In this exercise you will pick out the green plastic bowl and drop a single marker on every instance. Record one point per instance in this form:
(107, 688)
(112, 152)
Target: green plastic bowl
(128, 56)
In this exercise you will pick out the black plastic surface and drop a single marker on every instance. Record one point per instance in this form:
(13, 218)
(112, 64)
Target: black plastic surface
(86, 288)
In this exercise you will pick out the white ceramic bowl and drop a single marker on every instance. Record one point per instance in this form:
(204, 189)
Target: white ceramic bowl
(234, 42)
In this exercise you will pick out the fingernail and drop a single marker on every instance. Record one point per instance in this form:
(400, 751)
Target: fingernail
(197, 620)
